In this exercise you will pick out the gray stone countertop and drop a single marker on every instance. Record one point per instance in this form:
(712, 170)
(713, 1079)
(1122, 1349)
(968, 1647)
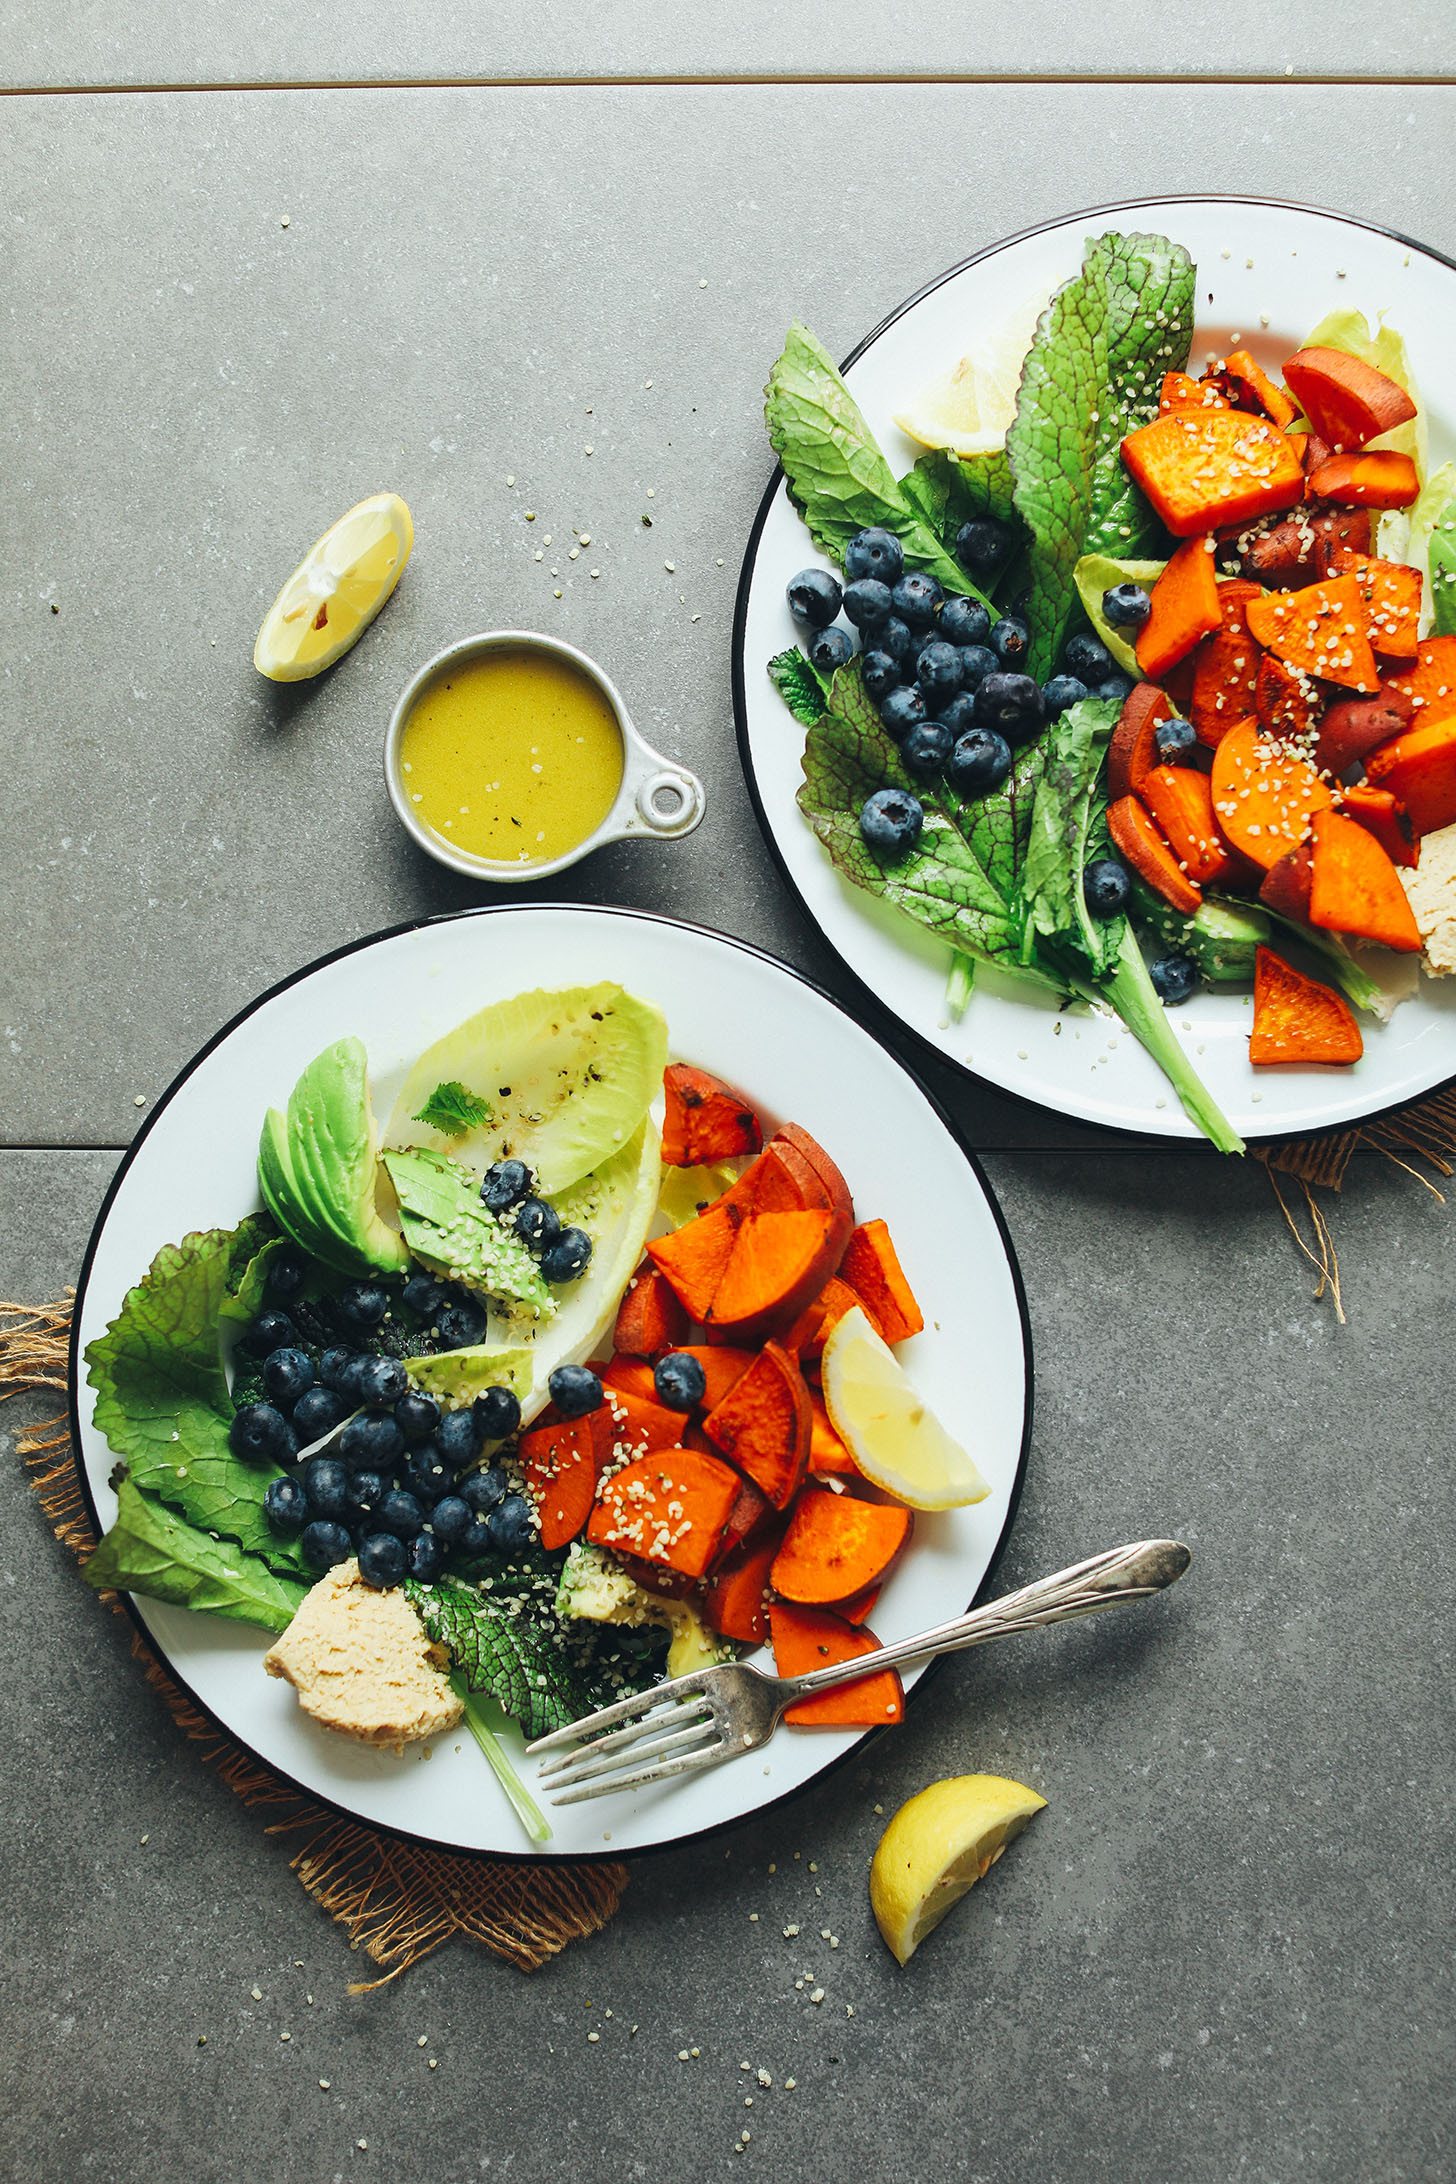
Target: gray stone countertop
(1222, 1953)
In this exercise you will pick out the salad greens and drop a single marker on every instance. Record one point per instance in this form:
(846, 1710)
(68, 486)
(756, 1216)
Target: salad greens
(151, 1549)
(453, 1109)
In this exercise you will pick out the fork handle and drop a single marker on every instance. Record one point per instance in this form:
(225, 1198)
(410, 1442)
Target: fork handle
(1103, 1581)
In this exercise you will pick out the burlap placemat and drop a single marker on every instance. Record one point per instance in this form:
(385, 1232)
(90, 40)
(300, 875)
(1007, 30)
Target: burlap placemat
(396, 1900)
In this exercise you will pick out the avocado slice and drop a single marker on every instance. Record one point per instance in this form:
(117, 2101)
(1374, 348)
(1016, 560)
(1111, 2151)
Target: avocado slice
(318, 1166)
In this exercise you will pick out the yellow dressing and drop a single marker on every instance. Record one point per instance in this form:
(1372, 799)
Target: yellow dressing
(515, 756)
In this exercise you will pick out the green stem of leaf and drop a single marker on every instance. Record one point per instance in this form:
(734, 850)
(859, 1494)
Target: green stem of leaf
(959, 985)
(484, 1719)
(1132, 993)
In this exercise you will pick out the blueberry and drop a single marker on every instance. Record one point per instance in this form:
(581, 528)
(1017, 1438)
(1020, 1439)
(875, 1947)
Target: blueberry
(679, 1380)
(831, 650)
(868, 603)
(363, 1494)
(261, 1434)
(874, 553)
(381, 1381)
(575, 1390)
(964, 622)
(285, 1505)
(1086, 657)
(317, 1413)
(510, 1525)
(814, 598)
(926, 749)
(938, 671)
(286, 1274)
(1115, 688)
(383, 1560)
(903, 710)
(270, 1331)
(879, 673)
(979, 762)
(336, 1369)
(918, 598)
(1011, 704)
(401, 1514)
(425, 1557)
(1106, 887)
(983, 544)
(957, 714)
(537, 1224)
(1126, 606)
(475, 1539)
(458, 1437)
(566, 1258)
(1174, 977)
(1062, 693)
(324, 1543)
(977, 662)
(506, 1184)
(416, 1415)
(461, 1325)
(483, 1491)
(423, 1294)
(1009, 640)
(1175, 741)
(371, 1444)
(497, 1413)
(451, 1517)
(363, 1304)
(326, 1483)
(896, 638)
(427, 1475)
(890, 821)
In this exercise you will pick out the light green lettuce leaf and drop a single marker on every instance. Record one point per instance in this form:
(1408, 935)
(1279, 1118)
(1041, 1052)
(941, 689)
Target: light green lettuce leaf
(1097, 573)
(1424, 537)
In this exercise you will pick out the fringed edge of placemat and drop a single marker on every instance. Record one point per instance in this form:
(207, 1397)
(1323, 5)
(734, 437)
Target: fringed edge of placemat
(1426, 1131)
(396, 1900)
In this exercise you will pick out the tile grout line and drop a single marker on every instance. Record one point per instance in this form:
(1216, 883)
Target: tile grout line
(865, 80)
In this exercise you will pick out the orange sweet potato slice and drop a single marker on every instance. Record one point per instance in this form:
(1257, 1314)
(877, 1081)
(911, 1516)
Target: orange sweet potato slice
(1254, 389)
(1181, 802)
(1228, 665)
(836, 1546)
(723, 1366)
(805, 1638)
(1356, 889)
(1380, 480)
(736, 1601)
(694, 1259)
(1286, 700)
(1294, 552)
(1287, 884)
(1431, 683)
(765, 1423)
(1351, 728)
(1420, 768)
(871, 1268)
(862, 1607)
(1135, 837)
(1213, 467)
(639, 1424)
(1181, 392)
(1347, 402)
(1386, 817)
(780, 1262)
(1263, 795)
(1296, 1019)
(812, 1153)
(650, 1316)
(805, 1340)
(1390, 593)
(668, 1507)
(560, 1463)
(828, 1456)
(750, 1518)
(632, 1375)
(1132, 753)
(705, 1119)
(1185, 608)
(1320, 630)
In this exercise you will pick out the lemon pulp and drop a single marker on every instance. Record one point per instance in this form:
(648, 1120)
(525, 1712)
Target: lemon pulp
(888, 1427)
(336, 590)
(515, 756)
(937, 1847)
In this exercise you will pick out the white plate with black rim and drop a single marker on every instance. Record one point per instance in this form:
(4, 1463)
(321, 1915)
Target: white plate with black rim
(799, 1057)
(1267, 273)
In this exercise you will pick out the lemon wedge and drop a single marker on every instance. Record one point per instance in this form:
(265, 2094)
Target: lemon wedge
(336, 590)
(890, 1430)
(939, 1845)
(969, 408)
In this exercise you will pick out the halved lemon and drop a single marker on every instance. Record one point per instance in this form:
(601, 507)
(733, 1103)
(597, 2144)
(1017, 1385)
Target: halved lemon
(969, 408)
(336, 590)
(889, 1429)
(938, 1846)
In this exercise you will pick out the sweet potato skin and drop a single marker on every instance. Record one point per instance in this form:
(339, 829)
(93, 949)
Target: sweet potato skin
(650, 1316)
(1384, 816)
(1346, 400)
(1263, 795)
(1420, 768)
(805, 1638)
(1319, 630)
(704, 1119)
(1135, 837)
(871, 1269)
(1298, 1020)
(765, 1424)
(1351, 728)
(1204, 469)
(1381, 480)
(1293, 553)
(1287, 884)
(1132, 753)
(1185, 607)
(1356, 889)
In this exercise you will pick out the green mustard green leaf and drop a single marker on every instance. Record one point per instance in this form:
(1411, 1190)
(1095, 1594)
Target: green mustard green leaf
(798, 683)
(948, 490)
(998, 826)
(837, 477)
(1149, 284)
(453, 1110)
(1062, 819)
(152, 1550)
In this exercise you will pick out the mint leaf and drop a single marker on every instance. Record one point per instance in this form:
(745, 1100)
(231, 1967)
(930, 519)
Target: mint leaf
(452, 1110)
(507, 1640)
(446, 1225)
(151, 1550)
(797, 683)
(837, 478)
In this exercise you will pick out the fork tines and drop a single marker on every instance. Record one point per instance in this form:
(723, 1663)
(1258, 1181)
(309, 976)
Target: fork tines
(635, 1741)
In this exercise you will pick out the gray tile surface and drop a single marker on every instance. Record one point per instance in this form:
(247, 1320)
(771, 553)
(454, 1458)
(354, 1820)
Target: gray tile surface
(472, 286)
(168, 41)
(1219, 1954)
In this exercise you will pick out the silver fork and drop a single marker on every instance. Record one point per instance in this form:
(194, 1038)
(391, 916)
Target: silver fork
(720, 1713)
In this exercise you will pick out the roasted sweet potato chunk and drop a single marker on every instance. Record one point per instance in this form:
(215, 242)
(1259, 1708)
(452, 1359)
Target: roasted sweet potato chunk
(1254, 389)
(1185, 608)
(765, 1423)
(828, 1456)
(805, 1340)
(1287, 701)
(650, 1316)
(835, 1546)
(780, 1262)
(723, 1366)
(1384, 816)
(736, 1602)
(1179, 391)
(1135, 837)
(1181, 802)
(671, 1507)
(871, 1268)
(1263, 795)
(1296, 1019)
(1132, 753)
(1380, 480)
(1352, 728)
(560, 1463)
(639, 1423)
(1320, 631)
(1390, 594)
(805, 1638)
(1226, 675)
(1420, 768)
(632, 1375)
(1356, 889)
(1292, 553)
(1431, 683)
(1203, 469)
(705, 1119)
(694, 1259)
(1347, 402)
